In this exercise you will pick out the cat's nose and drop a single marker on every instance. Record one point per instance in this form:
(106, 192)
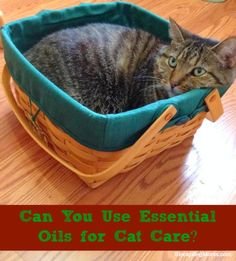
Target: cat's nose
(174, 84)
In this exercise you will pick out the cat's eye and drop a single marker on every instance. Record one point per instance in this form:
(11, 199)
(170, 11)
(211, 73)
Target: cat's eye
(172, 62)
(198, 71)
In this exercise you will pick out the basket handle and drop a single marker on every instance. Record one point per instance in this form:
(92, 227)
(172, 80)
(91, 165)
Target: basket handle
(120, 164)
(214, 105)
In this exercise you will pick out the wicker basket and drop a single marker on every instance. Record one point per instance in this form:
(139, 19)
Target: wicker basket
(96, 167)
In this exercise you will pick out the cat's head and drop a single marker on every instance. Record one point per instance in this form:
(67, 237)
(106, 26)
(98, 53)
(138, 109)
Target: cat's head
(191, 62)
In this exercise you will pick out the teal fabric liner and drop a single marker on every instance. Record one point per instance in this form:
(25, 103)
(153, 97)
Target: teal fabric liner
(101, 132)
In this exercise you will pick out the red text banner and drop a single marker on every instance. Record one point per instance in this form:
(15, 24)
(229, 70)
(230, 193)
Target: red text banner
(137, 227)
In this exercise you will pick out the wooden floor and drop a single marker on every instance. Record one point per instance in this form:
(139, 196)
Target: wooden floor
(202, 171)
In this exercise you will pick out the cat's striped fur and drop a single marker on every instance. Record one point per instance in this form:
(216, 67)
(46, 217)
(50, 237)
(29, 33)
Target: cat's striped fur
(111, 68)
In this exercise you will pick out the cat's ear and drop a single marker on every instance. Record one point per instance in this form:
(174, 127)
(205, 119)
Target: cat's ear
(226, 50)
(177, 33)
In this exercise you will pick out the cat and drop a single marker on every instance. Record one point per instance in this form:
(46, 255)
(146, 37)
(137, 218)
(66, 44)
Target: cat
(112, 68)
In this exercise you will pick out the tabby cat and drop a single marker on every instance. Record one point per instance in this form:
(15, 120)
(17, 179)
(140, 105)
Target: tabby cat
(112, 68)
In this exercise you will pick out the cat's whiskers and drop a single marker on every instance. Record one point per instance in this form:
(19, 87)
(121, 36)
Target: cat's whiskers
(146, 77)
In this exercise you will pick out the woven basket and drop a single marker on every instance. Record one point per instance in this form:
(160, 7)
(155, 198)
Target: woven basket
(96, 167)
(92, 166)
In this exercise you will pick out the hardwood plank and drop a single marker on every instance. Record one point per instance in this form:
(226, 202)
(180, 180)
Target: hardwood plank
(115, 256)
